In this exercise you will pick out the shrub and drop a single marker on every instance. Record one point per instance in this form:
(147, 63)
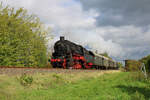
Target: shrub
(133, 65)
(148, 65)
(26, 80)
(146, 61)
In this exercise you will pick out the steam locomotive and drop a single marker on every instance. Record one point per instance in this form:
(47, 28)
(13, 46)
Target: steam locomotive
(70, 55)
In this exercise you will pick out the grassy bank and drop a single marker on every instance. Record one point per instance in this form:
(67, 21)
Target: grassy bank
(76, 86)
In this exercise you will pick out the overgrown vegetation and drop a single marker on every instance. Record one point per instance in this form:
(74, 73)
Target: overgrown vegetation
(146, 61)
(22, 38)
(133, 65)
(77, 86)
(120, 65)
(26, 80)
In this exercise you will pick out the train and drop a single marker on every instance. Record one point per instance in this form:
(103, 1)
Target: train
(69, 55)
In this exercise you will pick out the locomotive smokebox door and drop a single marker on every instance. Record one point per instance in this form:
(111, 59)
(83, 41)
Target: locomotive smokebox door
(62, 38)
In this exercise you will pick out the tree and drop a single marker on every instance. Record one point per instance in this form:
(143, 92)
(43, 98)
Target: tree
(148, 65)
(120, 65)
(105, 54)
(146, 61)
(23, 38)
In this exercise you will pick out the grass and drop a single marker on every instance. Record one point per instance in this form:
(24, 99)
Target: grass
(76, 86)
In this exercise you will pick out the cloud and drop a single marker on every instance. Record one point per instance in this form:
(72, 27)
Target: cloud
(133, 41)
(121, 28)
(120, 12)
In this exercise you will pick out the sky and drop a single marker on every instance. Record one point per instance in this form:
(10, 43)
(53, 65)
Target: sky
(119, 27)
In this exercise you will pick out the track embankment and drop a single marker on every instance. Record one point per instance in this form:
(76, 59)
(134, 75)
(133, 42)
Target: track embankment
(17, 71)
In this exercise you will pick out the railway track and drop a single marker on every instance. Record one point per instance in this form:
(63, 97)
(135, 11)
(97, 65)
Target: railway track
(25, 67)
(31, 70)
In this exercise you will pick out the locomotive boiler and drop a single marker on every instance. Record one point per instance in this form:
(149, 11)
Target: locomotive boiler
(70, 55)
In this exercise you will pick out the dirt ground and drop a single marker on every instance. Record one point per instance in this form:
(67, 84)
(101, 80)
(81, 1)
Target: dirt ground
(17, 71)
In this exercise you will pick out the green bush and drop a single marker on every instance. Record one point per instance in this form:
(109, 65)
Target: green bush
(133, 65)
(146, 61)
(148, 65)
(26, 80)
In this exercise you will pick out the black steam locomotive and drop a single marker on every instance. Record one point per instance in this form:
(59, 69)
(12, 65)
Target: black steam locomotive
(70, 55)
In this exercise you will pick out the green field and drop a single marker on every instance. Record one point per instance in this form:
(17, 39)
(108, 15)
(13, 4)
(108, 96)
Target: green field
(76, 86)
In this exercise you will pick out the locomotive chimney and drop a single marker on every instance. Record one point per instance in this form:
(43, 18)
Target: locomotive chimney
(62, 38)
